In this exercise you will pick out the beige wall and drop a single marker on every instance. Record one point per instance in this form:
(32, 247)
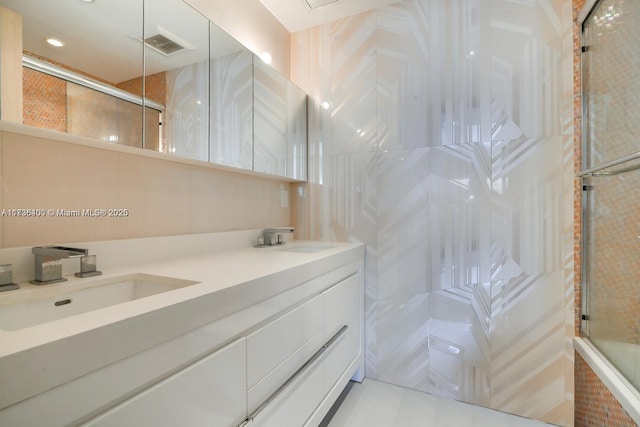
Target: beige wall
(253, 25)
(11, 60)
(163, 197)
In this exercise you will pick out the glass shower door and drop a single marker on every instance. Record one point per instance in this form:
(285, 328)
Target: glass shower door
(611, 184)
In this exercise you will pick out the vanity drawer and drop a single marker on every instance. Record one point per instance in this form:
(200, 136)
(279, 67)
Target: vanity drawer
(275, 343)
(296, 402)
(274, 379)
(208, 393)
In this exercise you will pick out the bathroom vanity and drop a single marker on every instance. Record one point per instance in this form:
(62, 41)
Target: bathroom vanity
(238, 337)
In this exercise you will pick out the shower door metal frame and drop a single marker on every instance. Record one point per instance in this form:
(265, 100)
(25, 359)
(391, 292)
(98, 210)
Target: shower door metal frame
(584, 201)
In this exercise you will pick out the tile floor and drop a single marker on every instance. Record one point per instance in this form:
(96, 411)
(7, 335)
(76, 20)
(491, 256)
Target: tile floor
(377, 404)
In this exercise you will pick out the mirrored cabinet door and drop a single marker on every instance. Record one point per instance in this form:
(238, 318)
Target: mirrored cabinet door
(270, 120)
(280, 124)
(296, 157)
(157, 75)
(231, 98)
(81, 67)
(176, 61)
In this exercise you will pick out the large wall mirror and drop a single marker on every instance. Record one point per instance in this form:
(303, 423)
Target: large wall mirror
(177, 84)
(70, 46)
(280, 115)
(231, 114)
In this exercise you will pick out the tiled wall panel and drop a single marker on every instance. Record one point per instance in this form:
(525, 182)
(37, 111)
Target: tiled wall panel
(595, 405)
(526, 80)
(432, 62)
(353, 84)
(463, 202)
(402, 275)
(527, 346)
(459, 346)
(44, 100)
(459, 215)
(527, 205)
(402, 224)
(402, 338)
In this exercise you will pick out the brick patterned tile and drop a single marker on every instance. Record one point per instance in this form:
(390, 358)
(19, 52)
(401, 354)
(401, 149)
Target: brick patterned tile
(595, 405)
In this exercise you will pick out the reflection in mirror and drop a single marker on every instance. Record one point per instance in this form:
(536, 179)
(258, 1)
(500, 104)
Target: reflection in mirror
(153, 74)
(97, 115)
(97, 48)
(231, 101)
(280, 124)
(177, 76)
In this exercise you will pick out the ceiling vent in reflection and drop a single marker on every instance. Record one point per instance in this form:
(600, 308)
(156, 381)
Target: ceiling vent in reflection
(166, 43)
(317, 3)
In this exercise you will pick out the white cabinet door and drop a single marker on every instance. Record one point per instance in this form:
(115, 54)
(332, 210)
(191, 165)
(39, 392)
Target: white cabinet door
(211, 392)
(342, 306)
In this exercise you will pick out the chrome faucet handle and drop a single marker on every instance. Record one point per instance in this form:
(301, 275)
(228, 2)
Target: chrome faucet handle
(273, 236)
(88, 267)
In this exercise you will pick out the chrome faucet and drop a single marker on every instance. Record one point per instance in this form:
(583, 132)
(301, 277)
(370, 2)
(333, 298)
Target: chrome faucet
(273, 236)
(48, 262)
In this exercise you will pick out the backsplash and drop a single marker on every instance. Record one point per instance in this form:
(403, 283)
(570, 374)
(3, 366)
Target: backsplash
(150, 194)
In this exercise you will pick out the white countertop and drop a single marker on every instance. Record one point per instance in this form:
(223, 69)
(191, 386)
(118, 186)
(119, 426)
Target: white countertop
(228, 281)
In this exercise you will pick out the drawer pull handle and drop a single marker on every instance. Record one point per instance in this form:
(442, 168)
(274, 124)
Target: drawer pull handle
(289, 380)
(335, 337)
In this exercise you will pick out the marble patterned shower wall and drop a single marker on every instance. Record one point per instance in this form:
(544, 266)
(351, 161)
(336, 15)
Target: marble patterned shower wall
(441, 135)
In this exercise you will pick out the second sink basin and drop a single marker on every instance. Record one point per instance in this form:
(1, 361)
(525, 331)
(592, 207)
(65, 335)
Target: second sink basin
(61, 302)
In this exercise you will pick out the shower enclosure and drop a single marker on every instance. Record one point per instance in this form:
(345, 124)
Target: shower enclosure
(611, 183)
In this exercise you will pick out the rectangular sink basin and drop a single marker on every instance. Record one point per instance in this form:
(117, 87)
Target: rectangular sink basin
(307, 248)
(61, 302)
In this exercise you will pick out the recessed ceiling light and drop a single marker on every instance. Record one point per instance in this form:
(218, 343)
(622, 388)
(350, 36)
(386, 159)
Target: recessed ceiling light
(88, 1)
(55, 42)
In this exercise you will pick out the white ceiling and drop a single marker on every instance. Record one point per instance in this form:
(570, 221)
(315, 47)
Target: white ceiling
(103, 38)
(296, 15)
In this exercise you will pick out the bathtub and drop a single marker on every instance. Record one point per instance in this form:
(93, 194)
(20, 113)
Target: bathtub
(624, 355)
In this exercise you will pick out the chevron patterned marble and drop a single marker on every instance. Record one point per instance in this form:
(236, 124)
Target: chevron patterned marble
(186, 119)
(440, 135)
(231, 115)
